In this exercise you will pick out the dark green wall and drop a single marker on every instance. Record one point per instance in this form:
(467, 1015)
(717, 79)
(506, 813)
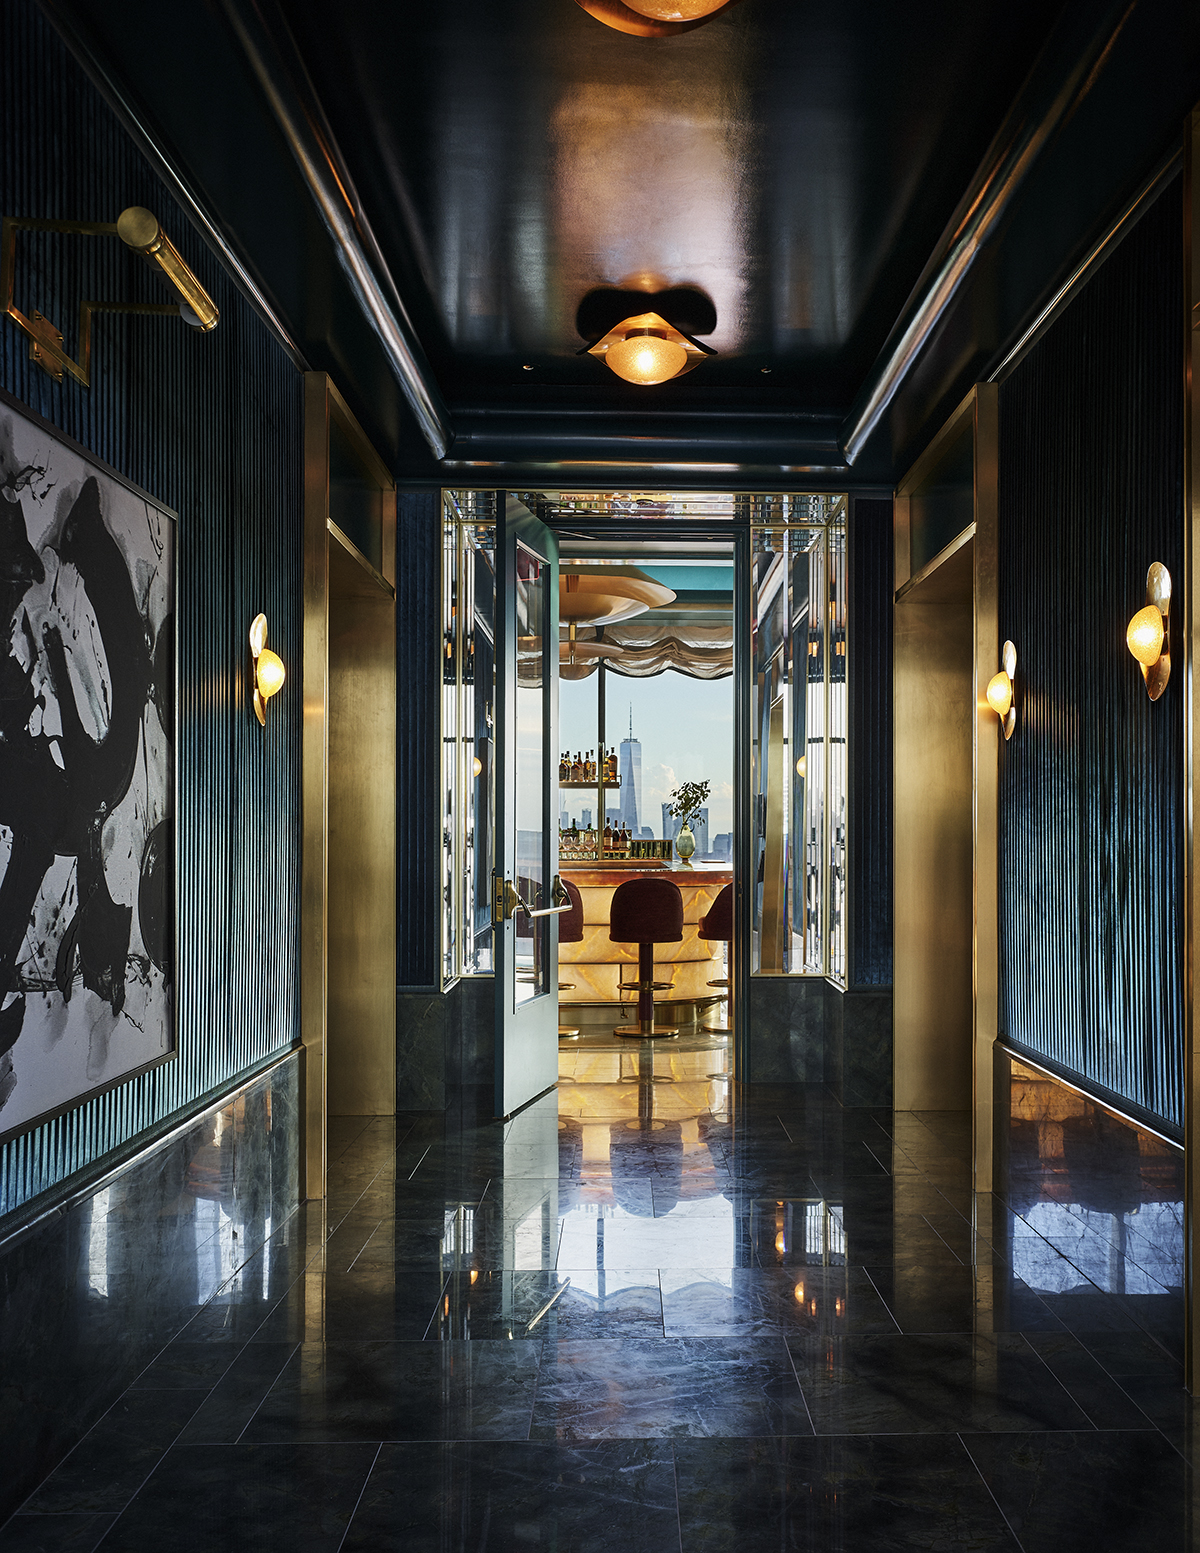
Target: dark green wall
(1091, 789)
(211, 426)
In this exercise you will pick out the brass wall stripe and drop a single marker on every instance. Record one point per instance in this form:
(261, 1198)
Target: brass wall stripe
(210, 425)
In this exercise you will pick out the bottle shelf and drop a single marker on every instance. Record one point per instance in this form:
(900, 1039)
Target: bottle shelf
(591, 786)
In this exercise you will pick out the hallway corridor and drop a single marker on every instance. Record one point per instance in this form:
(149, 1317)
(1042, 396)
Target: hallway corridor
(776, 1328)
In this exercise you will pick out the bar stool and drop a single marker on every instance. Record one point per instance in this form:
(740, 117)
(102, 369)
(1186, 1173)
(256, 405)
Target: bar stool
(717, 924)
(570, 931)
(646, 912)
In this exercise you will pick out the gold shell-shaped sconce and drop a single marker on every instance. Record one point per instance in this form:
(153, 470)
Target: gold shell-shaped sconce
(1147, 636)
(1001, 691)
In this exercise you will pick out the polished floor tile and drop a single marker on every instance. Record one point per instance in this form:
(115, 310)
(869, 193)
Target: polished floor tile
(114, 1458)
(53, 1533)
(885, 1495)
(771, 1302)
(1074, 1493)
(667, 1387)
(929, 1384)
(274, 1498)
(787, 1326)
(587, 1303)
(401, 1391)
(509, 1498)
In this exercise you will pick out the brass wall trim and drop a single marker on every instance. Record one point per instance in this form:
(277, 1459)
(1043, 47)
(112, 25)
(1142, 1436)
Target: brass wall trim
(1084, 270)
(1086, 1094)
(902, 515)
(327, 548)
(947, 743)
(1190, 364)
(940, 559)
(359, 558)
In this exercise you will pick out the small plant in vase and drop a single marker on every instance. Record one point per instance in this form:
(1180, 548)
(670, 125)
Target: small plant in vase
(685, 801)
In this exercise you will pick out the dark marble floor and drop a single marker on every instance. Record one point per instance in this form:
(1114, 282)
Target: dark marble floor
(648, 1315)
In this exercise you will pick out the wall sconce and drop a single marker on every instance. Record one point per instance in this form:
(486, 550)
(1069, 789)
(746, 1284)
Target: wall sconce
(1146, 636)
(139, 230)
(269, 672)
(1000, 691)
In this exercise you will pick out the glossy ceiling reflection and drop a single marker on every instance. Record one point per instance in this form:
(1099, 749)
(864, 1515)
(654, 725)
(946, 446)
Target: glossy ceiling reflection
(423, 196)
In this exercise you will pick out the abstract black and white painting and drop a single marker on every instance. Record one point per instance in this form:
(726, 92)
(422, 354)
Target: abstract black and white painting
(87, 810)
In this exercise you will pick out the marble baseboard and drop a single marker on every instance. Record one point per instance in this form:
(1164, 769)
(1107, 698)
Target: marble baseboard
(89, 1297)
(858, 1064)
(787, 1030)
(444, 1041)
(424, 1020)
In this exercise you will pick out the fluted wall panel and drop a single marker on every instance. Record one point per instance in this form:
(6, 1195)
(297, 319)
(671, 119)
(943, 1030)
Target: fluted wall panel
(210, 425)
(418, 731)
(1091, 793)
(869, 541)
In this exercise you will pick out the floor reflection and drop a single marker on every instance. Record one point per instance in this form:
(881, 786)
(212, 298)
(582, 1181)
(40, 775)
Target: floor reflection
(655, 1306)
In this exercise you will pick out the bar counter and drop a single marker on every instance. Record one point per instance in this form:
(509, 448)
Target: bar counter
(596, 965)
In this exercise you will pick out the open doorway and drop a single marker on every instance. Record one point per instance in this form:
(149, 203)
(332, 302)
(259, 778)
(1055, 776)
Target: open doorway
(646, 794)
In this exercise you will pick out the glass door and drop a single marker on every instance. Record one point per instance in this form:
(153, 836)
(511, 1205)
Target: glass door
(528, 896)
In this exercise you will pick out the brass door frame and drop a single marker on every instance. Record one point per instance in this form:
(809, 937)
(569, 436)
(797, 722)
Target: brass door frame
(979, 409)
(323, 408)
(1191, 735)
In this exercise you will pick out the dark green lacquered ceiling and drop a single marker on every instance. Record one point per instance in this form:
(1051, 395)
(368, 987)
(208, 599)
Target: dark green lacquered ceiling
(805, 164)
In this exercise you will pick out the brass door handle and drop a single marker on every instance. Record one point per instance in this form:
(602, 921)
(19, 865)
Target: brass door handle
(560, 897)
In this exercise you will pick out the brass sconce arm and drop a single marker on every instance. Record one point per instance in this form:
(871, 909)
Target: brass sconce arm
(140, 231)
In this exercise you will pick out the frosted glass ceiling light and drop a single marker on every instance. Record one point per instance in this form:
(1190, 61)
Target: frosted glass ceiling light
(647, 350)
(1000, 691)
(645, 357)
(1146, 636)
(655, 18)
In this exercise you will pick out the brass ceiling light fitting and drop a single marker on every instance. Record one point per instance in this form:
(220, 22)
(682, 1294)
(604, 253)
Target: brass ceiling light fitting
(139, 230)
(1146, 636)
(269, 672)
(1000, 691)
(646, 337)
(655, 18)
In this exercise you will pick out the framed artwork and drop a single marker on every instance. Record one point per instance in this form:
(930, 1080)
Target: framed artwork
(87, 774)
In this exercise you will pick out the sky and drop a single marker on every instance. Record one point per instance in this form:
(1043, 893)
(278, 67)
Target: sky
(685, 726)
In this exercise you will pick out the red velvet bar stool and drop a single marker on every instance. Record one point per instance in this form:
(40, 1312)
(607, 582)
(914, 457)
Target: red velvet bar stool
(717, 924)
(570, 931)
(646, 912)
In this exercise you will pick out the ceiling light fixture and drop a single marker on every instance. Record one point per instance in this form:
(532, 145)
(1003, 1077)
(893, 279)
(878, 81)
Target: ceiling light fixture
(1146, 636)
(647, 350)
(655, 18)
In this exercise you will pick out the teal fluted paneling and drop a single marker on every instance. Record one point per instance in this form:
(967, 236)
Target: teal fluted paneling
(1091, 790)
(212, 427)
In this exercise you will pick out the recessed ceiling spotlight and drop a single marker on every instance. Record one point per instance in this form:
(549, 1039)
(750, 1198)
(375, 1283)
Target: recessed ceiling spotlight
(655, 18)
(527, 367)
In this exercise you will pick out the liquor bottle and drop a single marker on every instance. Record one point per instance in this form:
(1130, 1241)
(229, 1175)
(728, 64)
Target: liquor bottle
(611, 768)
(589, 774)
(608, 836)
(577, 768)
(564, 770)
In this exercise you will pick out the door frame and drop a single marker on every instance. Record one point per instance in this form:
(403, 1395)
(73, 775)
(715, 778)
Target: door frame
(324, 408)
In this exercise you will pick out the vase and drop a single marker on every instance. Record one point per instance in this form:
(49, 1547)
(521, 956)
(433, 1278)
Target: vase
(685, 845)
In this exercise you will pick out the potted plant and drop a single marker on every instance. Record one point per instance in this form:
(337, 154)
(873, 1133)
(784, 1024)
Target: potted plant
(685, 800)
